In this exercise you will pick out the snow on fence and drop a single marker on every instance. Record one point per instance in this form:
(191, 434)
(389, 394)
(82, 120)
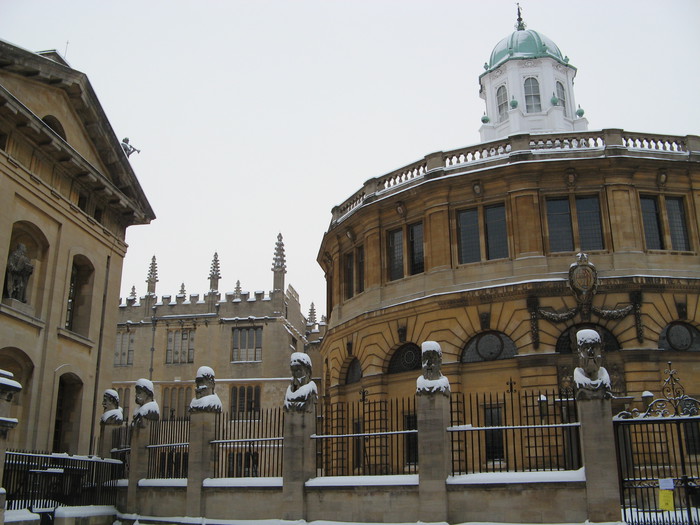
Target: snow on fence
(514, 432)
(42, 481)
(367, 438)
(249, 444)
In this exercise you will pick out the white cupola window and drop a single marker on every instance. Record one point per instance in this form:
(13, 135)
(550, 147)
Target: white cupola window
(561, 95)
(532, 95)
(502, 103)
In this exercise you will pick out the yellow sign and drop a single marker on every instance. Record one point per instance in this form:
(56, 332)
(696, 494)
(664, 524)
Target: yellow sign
(666, 500)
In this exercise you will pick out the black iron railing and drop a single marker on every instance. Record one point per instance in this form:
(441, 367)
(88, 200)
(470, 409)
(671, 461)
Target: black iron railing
(249, 444)
(43, 481)
(168, 449)
(514, 432)
(367, 438)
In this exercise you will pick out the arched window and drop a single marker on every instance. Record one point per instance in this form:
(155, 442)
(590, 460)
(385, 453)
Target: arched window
(532, 95)
(488, 346)
(406, 357)
(561, 95)
(566, 344)
(680, 337)
(354, 373)
(502, 102)
(79, 302)
(55, 125)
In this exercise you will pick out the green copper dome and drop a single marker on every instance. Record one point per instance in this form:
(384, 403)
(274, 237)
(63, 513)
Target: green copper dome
(524, 43)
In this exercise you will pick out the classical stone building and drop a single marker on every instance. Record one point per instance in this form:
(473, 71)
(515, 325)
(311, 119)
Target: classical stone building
(502, 250)
(68, 195)
(245, 337)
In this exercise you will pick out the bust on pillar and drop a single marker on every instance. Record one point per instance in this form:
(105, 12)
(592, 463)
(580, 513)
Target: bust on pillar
(113, 416)
(148, 409)
(597, 435)
(434, 448)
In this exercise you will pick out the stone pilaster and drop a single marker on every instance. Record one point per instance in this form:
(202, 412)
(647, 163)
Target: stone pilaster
(201, 458)
(299, 463)
(434, 455)
(600, 460)
(138, 463)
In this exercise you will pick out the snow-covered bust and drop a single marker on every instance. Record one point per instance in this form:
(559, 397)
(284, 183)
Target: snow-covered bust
(148, 408)
(205, 399)
(301, 393)
(113, 413)
(432, 381)
(591, 378)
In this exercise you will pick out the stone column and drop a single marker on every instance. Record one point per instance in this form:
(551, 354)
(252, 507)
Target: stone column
(600, 460)
(201, 459)
(299, 461)
(138, 462)
(434, 455)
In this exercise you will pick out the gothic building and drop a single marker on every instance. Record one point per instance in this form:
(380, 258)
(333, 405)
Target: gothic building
(245, 337)
(68, 195)
(503, 250)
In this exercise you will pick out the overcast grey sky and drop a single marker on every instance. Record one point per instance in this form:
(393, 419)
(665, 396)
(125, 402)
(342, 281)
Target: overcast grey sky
(258, 117)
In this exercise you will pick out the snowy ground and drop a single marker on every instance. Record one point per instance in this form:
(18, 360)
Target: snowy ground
(24, 515)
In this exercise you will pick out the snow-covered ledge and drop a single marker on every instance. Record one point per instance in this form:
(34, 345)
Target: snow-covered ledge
(541, 476)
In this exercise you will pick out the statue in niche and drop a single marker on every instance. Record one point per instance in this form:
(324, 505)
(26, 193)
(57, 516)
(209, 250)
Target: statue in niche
(432, 381)
(113, 413)
(205, 398)
(19, 269)
(148, 408)
(302, 392)
(590, 377)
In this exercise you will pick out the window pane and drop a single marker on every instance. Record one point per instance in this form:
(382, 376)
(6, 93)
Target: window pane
(561, 238)
(415, 236)
(496, 235)
(652, 224)
(468, 236)
(532, 95)
(502, 101)
(561, 95)
(348, 277)
(677, 225)
(395, 254)
(589, 227)
(360, 269)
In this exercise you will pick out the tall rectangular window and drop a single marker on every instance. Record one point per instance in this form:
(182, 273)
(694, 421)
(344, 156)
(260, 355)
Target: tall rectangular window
(180, 348)
(493, 417)
(395, 254)
(246, 344)
(349, 274)
(561, 238)
(360, 269)
(496, 232)
(653, 234)
(245, 401)
(676, 224)
(590, 229)
(468, 245)
(415, 247)
(124, 351)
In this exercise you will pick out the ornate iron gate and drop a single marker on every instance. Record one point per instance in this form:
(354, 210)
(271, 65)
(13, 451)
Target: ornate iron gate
(658, 456)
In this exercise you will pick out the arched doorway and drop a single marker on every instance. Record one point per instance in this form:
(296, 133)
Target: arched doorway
(67, 421)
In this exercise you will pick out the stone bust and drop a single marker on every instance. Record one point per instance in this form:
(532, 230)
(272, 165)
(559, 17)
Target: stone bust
(590, 377)
(206, 399)
(148, 408)
(302, 392)
(19, 269)
(432, 381)
(113, 413)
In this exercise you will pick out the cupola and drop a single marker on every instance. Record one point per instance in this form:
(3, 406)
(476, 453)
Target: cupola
(528, 87)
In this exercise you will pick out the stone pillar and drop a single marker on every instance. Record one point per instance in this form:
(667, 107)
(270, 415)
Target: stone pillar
(434, 455)
(8, 388)
(299, 461)
(201, 458)
(600, 460)
(138, 463)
